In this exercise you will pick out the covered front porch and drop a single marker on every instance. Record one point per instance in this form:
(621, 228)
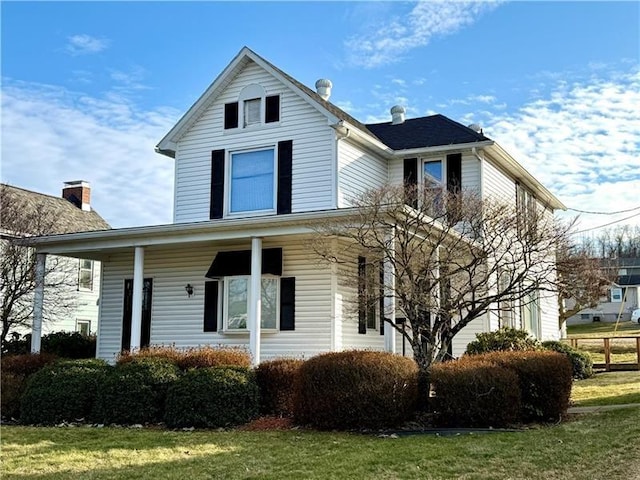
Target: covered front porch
(167, 285)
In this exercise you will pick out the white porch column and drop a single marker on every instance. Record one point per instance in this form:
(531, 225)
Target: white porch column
(390, 295)
(38, 303)
(255, 299)
(136, 300)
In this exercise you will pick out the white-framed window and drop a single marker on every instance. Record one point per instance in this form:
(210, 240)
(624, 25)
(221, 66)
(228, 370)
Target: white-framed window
(236, 293)
(84, 327)
(85, 274)
(252, 180)
(616, 294)
(530, 314)
(433, 173)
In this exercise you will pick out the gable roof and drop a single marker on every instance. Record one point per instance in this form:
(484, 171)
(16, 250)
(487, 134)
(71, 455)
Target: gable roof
(432, 131)
(68, 217)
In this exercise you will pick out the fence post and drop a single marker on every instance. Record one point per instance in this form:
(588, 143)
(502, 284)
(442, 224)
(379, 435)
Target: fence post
(607, 355)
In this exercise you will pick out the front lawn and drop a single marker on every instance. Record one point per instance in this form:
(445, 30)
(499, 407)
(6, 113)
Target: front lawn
(590, 446)
(610, 388)
(603, 329)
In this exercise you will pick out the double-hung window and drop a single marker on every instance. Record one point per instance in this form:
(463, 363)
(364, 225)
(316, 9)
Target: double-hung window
(85, 274)
(252, 176)
(236, 296)
(432, 179)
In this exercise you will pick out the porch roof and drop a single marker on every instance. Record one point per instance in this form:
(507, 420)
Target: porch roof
(93, 244)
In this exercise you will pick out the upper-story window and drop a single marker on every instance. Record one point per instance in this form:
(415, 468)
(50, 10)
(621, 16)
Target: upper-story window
(254, 107)
(85, 274)
(433, 173)
(252, 177)
(527, 212)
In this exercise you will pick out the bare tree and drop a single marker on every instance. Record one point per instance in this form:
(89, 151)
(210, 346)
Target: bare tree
(454, 258)
(582, 280)
(20, 221)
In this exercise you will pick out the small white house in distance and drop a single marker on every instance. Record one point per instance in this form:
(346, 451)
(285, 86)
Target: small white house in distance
(258, 159)
(73, 284)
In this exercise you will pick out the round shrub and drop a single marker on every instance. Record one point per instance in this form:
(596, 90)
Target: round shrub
(580, 361)
(16, 370)
(64, 391)
(475, 394)
(212, 397)
(276, 379)
(545, 380)
(501, 340)
(134, 392)
(355, 389)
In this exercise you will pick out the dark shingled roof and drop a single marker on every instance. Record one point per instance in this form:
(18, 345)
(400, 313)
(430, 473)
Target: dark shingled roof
(432, 131)
(69, 218)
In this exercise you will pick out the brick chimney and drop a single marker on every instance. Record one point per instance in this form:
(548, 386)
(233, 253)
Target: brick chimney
(78, 193)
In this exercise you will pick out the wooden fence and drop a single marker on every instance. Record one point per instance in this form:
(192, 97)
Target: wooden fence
(608, 365)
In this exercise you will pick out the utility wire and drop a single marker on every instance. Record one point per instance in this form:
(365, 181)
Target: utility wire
(604, 213)
(607, 224)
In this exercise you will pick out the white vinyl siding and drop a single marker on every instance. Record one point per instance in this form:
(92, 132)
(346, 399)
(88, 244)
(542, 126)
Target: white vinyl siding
(497, 184)
(358, 171)
(312, 148)
(177, 319)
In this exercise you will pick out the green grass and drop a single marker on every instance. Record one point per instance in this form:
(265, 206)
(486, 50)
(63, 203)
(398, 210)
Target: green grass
(601, 445)
(600, 329)
(610, 388)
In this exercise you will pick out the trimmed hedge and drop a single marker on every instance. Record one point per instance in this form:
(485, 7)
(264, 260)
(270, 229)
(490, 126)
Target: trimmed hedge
(64, 391)
(212, 397)
(134, 392)
(355, 389)
(276, 379)
(197, 357)
(545, 380)
(16, 370)
(580, 361)
(475, 394)
(502, 340)
(63, 344)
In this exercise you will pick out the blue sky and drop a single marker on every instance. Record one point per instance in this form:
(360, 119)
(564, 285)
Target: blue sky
(88, 88)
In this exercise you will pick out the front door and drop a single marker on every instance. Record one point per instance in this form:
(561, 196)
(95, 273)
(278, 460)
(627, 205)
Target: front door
(145, 330)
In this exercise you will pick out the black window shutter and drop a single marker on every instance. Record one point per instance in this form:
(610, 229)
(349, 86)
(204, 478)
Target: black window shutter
(285, 174)
(211, 306)
(272, 109)
(362, 292)
(381, 300)
(410, 178)
(217, 184)
(454, 172)
(231, 115)
(288, 303)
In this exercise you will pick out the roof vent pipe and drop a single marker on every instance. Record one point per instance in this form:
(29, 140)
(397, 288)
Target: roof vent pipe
(397, 114)
(323, 88)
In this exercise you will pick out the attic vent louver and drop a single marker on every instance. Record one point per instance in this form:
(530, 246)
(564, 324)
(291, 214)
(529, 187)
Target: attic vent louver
(397, 114)
(323, 88)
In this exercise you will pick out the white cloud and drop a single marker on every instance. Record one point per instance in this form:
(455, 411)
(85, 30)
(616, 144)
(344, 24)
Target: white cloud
(85, 44)
(51, 135)
(582, 141)
(386, 43)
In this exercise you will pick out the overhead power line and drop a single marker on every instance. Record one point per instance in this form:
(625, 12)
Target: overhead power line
(607, 224)
(604, 213)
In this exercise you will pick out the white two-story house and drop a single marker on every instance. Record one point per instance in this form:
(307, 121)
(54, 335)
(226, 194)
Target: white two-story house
(258, 159)
(72, 284)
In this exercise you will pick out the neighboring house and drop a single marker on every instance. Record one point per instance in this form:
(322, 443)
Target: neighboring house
(76, 291)
(622, 297)
(258, 159)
